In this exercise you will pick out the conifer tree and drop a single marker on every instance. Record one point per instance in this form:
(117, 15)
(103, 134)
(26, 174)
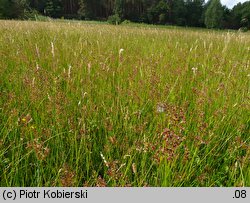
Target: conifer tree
(82, 9)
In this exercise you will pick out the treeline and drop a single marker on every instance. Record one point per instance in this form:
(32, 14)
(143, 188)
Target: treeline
(195, 13)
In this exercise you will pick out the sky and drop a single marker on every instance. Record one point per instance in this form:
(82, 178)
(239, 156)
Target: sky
(231, 3)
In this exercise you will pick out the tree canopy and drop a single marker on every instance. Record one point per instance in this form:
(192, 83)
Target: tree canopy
(214, 14)
(195, 13)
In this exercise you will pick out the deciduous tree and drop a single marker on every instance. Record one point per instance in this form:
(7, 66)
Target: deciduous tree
(214, 14)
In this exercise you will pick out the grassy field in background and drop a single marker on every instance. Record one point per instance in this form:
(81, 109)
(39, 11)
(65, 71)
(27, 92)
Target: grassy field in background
(99, 105)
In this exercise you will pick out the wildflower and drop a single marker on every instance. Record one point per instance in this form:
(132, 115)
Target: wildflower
(37, 51)
(37, 67)
(104, 160)
(160, 108)
(69, 71)
(194, 69)
(84, 95)
(52, 49)
(49, 97)
(26, 119)
(120, 51)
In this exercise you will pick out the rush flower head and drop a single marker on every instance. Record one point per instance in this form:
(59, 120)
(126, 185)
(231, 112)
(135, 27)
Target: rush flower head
(37, 67)
(89, 68)
(27, 118)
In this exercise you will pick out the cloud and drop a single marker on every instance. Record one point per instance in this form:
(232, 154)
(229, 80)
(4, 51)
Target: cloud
(231, 3)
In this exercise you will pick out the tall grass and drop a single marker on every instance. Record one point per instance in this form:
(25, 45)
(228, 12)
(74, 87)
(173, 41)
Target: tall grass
(101, 105)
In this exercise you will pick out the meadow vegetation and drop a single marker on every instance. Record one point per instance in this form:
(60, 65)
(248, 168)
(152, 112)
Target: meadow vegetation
(101, 105)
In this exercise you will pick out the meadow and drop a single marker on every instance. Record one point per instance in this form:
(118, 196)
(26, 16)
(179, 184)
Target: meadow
(86, 104)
